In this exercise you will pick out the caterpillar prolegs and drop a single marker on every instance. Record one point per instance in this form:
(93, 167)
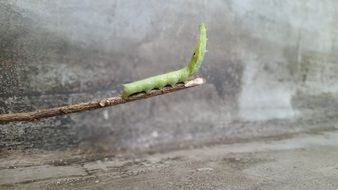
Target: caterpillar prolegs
(173, 77)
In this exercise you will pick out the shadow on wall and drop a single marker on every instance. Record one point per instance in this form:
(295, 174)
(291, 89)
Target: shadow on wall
(40, 69)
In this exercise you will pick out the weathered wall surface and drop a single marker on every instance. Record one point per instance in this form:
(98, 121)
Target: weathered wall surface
(271, 69)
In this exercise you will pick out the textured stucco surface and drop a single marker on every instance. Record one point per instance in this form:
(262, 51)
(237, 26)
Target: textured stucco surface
(270, 70)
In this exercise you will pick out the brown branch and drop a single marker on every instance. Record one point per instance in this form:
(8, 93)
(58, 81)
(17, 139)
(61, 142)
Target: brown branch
(112, 101)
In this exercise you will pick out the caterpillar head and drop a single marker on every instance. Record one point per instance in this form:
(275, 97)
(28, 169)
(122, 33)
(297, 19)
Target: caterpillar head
(199, 51)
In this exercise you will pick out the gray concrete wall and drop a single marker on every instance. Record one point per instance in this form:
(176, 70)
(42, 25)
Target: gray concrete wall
(271, 70)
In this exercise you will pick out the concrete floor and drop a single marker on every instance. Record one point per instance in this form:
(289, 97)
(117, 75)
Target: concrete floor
(303, 161)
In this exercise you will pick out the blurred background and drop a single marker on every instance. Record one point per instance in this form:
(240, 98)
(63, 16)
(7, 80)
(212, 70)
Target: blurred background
(271, 72)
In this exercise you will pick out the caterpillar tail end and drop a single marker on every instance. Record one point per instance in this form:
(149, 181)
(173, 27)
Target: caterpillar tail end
(124, 93)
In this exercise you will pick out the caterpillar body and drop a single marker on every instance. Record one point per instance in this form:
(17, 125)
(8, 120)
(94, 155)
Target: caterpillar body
(173, 77)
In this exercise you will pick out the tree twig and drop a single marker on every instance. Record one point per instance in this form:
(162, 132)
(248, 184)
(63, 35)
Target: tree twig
(112, 101)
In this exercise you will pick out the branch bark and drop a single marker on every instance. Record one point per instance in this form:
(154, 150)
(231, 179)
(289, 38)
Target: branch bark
(112, 101)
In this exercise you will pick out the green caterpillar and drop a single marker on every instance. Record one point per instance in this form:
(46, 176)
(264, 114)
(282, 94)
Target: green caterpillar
(174, 77)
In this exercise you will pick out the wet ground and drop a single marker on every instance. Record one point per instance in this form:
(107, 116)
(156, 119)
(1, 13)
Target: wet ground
(305, 161)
